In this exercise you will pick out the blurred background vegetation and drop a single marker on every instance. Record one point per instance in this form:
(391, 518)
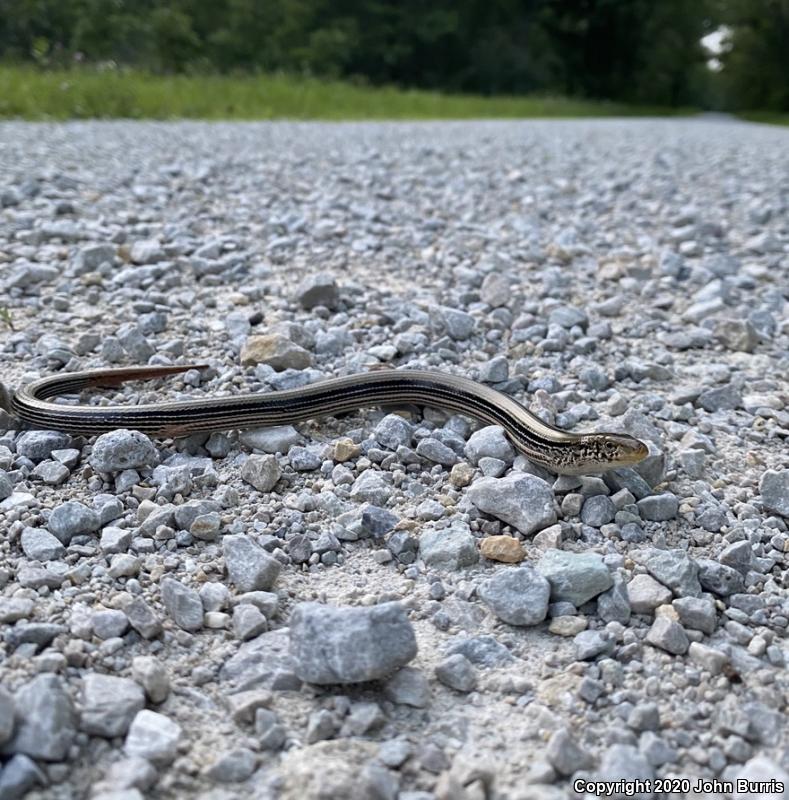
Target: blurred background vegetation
(640, 52)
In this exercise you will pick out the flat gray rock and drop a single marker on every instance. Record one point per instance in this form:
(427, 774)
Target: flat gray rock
(517, 595)
(489, 442)
(674, 569)
(71, 518)
(109, 704)
(350, 645)
(448, 548)
(524, 501)
(153, 736)
(46, 722)
(183, 604)
(123, 449)
(575, 577)
(41, 545)
(774, 488)
(249, 566)
(260, 661)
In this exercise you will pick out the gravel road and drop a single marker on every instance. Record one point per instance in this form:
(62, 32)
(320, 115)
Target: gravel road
(397, 606)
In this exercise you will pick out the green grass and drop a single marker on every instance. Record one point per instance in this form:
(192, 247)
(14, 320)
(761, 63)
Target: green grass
(30, 93)
(767, 117)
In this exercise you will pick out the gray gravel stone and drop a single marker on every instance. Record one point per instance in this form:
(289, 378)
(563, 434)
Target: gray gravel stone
(658, 507)
(51, 472)
(723, 398)
(270, 732)
(575, 577)
(233, 766)
(93, 256)
(697, 613)
(153, 736)
(483, 651)
(613, 605)
(350, 645)
(262, 472)
(152, 675)
(761, 770)
(458, 324)
(38, 445)
(134, 342)
(644, 717)
(322, 725)
(248, 621)
(395, 752)
(448, 548)
(646, 594)
(774, 488)
(623, 762)
(249, 566)
(495, 290)
(123, 449)
(392, 432)
(496, 370)
(457, 672)
(590, 644)
(408, 687)
(304, 459)
(39, 634)
(214, 596)
(41, 545)
(278, 439)
(434, 450)
(693, 462)
(46, 729)
(523, 501)
(142, 618)
(109, 623)
(146, 251)
(668, 635)
(565, 754)
(15, 608)
(517, 596)
(187, 513)
(109, 704)
(718, 578)
(6, 715)
(656, 750)
(6, 487)
(18, 776)
(319, 289)
(673, 568)
(598, 510)
(131, 773)
(72, 518)
(629, 479)
(183, 604)
(206, 527)
(489, 442)
(123, 565)
(739, 556)
(371, 487)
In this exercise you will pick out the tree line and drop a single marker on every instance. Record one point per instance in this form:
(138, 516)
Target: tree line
(637, 51)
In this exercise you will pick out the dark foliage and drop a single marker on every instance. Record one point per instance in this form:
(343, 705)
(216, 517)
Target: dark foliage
(643, 51)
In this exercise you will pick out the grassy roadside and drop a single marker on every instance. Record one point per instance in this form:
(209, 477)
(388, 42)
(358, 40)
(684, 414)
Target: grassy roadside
(767, 117)
(33, 94)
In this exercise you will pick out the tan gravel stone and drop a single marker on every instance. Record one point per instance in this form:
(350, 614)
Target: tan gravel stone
(345, 449)
(567, 626)
(502, 548)
(276, 350)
